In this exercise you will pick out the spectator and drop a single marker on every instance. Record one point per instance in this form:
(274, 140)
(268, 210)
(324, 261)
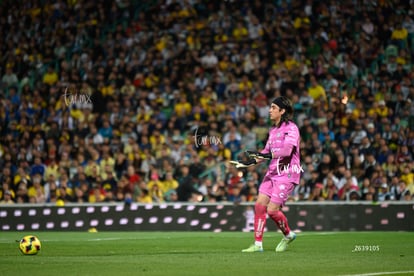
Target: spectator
(407, 175)
(345, 192)
(357, 134)
(325, 133)
(7, 198)
(94, 138)
(399, 36)
(234, 145)
(330, 191)
(50, 77)
(38, 167)
(317, 193)
(169, 183)
(36, 192)
(186, 188)
(106, 130)
(316, 91)
(209, 61)
(156, 192)
(9, 79)
(383, 193)
(196, 167)
(248, 137)
(347, 178)
(109, 184)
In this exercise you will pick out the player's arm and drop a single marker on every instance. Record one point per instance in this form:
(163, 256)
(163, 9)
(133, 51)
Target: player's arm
(286, 151)
(259, 156)
(289, 146)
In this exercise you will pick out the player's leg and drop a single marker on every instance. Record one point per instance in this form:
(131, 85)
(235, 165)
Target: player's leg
(279, 197)
(279, 218)
(260, 210)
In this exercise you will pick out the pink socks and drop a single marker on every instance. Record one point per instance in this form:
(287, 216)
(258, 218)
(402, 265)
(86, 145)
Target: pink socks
(259, 221)
(281, 221)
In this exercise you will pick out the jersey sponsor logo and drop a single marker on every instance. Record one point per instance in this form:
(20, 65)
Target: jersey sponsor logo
(281, 195)
(275, 141)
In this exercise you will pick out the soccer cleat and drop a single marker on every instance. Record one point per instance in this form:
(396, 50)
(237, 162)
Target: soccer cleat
(253, 248)
(283, 244)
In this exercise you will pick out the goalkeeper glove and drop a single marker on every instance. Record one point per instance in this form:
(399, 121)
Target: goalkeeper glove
(244, 164)
(259, 155)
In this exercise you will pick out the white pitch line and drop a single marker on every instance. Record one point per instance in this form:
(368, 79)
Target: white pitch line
(316, 233)
(105, 239)
(380, 273)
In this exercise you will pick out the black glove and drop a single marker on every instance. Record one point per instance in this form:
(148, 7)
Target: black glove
(259, 155)
(244, 164)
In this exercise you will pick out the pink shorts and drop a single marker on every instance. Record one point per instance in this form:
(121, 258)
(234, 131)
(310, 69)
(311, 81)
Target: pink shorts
(278, 192)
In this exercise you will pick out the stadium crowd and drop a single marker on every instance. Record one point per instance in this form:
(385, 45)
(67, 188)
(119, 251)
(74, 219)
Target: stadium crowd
(117, 101)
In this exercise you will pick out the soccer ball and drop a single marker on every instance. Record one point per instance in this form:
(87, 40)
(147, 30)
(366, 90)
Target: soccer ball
(30, 245)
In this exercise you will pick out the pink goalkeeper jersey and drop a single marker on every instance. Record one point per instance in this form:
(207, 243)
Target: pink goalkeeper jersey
(283, 168)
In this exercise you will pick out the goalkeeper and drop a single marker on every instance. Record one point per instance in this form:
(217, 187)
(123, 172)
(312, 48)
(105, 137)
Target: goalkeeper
(283, 151)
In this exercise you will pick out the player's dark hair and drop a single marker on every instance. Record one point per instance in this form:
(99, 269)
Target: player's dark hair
(284, 103)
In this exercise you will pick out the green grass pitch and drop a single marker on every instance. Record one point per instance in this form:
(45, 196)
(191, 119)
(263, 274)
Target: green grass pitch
(206, 253)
